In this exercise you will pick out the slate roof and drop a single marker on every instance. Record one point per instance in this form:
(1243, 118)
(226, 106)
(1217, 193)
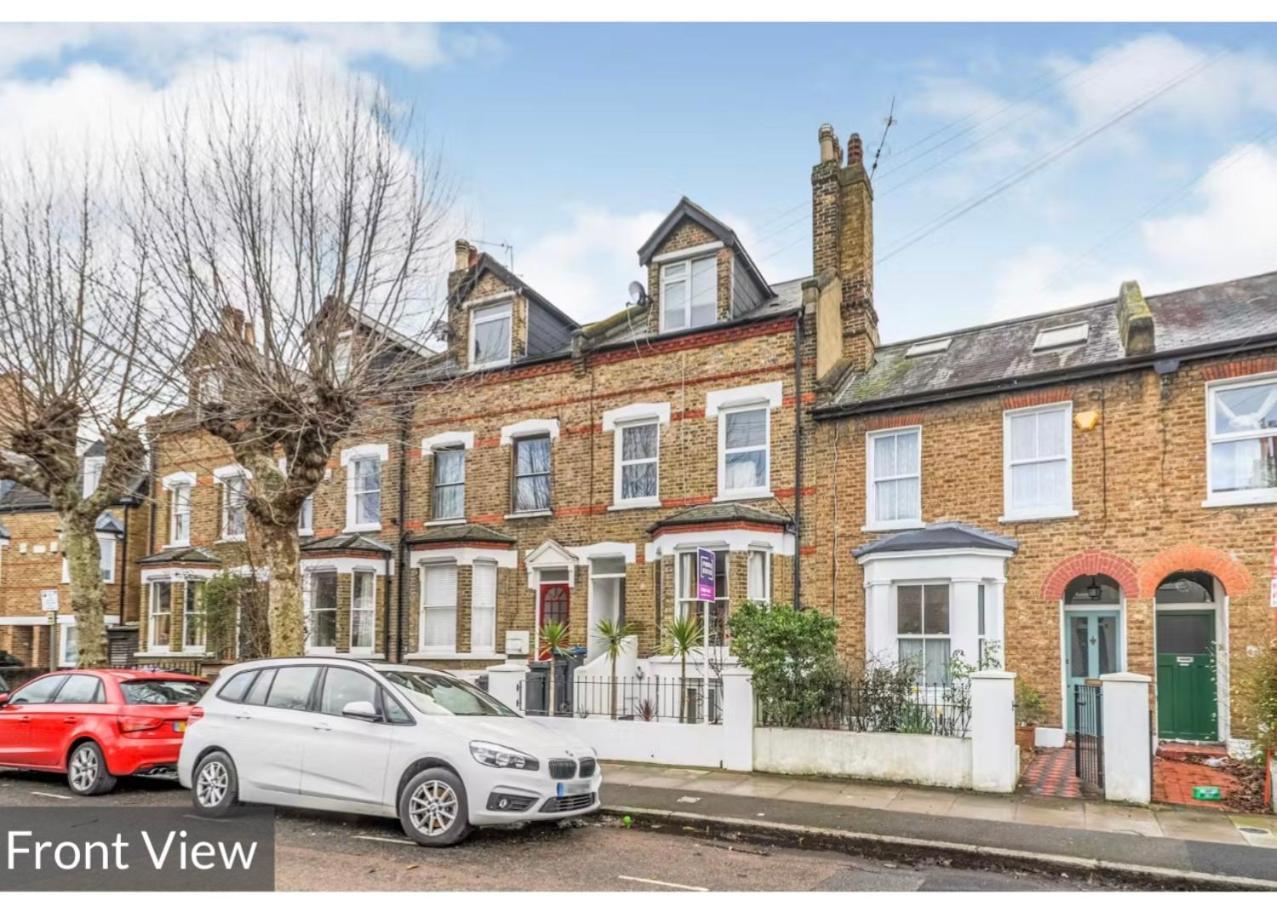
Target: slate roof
(345, 543)
(485, 263)
(460, 533)
(15, 498)
(1231, 312)
(705, 514)
(182, 555)
(687, 209)
(108, 522)
(4, 533)
(938, 536)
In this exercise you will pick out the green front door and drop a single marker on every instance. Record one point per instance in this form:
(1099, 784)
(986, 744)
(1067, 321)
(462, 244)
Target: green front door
(1186, 707)
(1091, 650)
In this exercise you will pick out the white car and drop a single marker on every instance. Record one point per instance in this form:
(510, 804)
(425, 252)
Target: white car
(381, 739)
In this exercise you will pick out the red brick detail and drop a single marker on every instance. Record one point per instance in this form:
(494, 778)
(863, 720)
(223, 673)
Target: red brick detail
(687, 501)
(1092, 563)
(592, 510)
(894, 421)
(327, 533)
(1034, 398)
(487, 442)
(1194, 557)
(807, 550)
(488, 517)
(1237, 368)
(412, 524)
(789, 492)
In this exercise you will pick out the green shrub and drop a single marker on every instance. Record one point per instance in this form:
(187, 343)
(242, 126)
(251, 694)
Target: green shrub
(792, 656)
(1255, 690)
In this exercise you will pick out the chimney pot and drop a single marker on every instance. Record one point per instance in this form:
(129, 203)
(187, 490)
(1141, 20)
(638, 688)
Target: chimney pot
(828, 144)
(465, 254)
(855, 151)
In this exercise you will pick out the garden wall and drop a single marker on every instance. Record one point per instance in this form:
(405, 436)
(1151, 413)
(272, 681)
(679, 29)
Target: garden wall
(885, 756)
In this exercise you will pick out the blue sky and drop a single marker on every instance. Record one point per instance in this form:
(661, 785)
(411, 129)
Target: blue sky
(571, 141)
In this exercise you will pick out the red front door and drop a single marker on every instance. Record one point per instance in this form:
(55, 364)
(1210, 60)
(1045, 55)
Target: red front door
(554, 606)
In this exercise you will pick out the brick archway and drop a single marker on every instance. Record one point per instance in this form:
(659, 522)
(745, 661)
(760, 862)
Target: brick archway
(1194, 557)
(1091, 563)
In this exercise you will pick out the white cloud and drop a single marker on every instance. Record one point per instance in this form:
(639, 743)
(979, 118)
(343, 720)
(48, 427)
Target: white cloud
(1045, 278)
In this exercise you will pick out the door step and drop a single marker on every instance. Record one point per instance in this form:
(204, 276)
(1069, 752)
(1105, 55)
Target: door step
(1183, 750)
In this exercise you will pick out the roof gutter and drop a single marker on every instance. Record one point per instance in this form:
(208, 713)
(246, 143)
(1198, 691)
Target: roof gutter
(1078, 373)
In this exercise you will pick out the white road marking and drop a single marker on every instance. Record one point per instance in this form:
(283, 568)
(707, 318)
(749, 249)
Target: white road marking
(686, 888)
(383, 838)
(688, 799)
(51, 795)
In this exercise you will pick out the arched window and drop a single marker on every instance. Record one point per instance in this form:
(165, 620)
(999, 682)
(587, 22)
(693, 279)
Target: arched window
(1098, 590)
(1187, 588)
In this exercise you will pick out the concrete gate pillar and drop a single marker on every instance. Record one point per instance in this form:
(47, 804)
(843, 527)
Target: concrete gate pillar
(995, 760)
(1126, 742)
(503, 683)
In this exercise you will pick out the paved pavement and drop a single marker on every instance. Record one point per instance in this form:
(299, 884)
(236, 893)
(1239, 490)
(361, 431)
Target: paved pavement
(333, 852)
(1175, 840)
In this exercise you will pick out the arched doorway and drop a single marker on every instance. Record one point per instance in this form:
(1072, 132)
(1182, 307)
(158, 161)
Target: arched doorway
(1187, 688)
(1094, 640)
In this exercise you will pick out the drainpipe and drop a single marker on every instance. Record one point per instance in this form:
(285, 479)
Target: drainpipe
(124, 567)
(403, 544)
(798, 458)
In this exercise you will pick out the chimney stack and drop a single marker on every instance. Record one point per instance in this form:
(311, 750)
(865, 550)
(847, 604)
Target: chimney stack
(1135, 320)
(842, 256)
(465, 255)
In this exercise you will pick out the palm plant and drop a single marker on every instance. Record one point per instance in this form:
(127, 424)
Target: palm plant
(682, 637)
(613, 635)
(554, 643)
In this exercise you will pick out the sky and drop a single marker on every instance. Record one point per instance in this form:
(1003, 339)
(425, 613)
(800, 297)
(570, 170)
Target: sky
(1028, 167)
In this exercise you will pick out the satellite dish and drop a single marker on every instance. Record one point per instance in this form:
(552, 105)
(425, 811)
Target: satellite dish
(637, 293)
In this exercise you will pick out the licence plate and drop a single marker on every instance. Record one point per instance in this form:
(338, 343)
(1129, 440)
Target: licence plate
(576, 787)
(179, 725)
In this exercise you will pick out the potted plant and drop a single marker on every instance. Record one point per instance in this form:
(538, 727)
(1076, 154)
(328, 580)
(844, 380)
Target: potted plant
(1030, 711)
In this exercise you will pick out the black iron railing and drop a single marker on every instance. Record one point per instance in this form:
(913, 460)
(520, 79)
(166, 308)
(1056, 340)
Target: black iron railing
(868, 705)
(1088, 736)
(645, 699)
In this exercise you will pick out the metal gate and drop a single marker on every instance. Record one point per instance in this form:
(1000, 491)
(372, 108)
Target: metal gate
(1088, 737)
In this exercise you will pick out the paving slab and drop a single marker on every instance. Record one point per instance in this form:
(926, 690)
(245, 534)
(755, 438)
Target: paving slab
(913, 800)
(760, 787)
(1050, 812)
(866, 795)
(1104, 817)
(982, 807)
(1199, 826)
(1259, 831)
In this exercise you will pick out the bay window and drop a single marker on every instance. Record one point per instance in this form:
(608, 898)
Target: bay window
(363, 610)
(758, 574)
(193, 617)
(689, 605)
(483, 608)
(161, 615)
(922, 630)
(1037, 473)
(1242, 436)
(689, 293)
(439, 608)
(894, 468)
(321, 611)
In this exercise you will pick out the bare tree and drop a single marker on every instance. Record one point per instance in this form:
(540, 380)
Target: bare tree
(294, 234)
(73, 309)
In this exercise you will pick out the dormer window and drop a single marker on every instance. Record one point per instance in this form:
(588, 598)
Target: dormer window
(1063, 336)
(490, 333)
(689, 293)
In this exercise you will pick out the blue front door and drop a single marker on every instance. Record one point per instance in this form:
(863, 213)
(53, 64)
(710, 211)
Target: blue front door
(1091, 645)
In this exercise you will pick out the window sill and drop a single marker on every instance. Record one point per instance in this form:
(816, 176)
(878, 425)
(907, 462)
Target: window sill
(646, 504)
(759, 495)
(444, 522)
(176, 544)
(531, 514)
(231, 539)
(495, 364)
(427, 654)
(900, 526)
(1252, 501)
(305, 533)
(364, 527)
(1039, 517)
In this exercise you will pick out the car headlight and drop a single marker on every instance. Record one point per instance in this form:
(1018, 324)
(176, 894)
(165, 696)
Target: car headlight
(490, 754)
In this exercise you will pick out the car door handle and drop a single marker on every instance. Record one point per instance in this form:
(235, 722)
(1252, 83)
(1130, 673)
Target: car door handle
(70, 719)
(24, 718)
(322, 727)
(243, 716)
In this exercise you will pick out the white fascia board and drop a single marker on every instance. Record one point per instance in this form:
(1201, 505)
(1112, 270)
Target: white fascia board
(738, 539)
(635, 413)
(529, 427)
(446, 439)
(465, 556)
(606, 549)
(347, 565)
(770, 392)
(175, 479)
(230, 471)
(364, 451)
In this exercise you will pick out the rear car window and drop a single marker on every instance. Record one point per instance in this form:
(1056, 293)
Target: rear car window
(236, 686)
(38, 691)
(257, 694)
(79, 689)
(162, 691)
(292, 687)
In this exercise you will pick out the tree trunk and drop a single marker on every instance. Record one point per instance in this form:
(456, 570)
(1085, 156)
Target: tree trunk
(283, 560)
(613, 653)
(84, 560)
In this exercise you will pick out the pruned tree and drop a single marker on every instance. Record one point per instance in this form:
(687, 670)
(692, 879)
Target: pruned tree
(73, 319)
(298, 238)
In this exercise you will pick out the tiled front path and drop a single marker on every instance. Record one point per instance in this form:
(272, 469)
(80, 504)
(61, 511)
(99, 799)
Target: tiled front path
(1051, 774)
(1173, 782)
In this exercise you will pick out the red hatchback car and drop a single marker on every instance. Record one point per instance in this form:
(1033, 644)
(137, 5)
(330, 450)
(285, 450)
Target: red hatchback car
(95, 725)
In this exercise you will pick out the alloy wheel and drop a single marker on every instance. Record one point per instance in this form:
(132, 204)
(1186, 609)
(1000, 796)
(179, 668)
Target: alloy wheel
(433, 807)
(84, 768)
(211, 786)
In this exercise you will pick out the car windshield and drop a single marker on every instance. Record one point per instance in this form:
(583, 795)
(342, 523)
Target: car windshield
(435, 694)
(162, 691)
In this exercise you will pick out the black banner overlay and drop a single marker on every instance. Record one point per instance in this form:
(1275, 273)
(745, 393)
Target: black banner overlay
(112, 849)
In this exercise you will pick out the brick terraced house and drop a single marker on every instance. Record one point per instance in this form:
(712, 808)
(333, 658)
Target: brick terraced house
(1077, 492)
(31, 561)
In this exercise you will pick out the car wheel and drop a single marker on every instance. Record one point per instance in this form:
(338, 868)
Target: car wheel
(214, 785)
(86, 771)
(432, 808)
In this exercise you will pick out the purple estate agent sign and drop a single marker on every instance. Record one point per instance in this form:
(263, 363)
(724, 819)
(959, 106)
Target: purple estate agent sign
(705, 575)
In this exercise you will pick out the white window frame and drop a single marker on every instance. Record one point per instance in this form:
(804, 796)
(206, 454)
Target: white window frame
(1014, 514)
(350, 458)
(490, 645)
(435, 518)
(619, 464)
(188, 595)
(422, 607)
(924, 636)
(178, 485)
(1233, 498)
(490, 312)
(64, 633)
(306, 517)
(548, 474)
(228, 487)
(356, 606)
(872, 521)
(683, 603)
(308, 608)
(667, 278)
(106, 550)
(763, 597)
(152, 616)
(94, 465)
(343, 354)
(753, 491)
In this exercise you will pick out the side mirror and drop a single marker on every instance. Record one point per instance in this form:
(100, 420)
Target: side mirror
(361, 710)
(4, 698)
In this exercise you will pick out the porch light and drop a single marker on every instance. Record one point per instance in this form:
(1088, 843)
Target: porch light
(1093, 590)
